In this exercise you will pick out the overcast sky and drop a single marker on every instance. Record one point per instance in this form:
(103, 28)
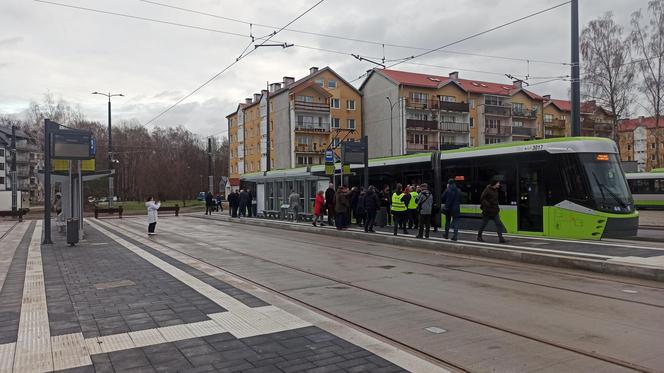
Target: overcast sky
(71, 52)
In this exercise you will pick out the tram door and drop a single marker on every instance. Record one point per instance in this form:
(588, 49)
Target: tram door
(531, 197)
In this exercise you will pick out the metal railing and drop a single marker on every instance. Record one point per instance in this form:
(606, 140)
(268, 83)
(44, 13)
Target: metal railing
(524, 131)
(524, 113)
(434, 104)
(425, 124)
(312, 127)
(413, 146)
(454, 127)
(312, 106)
(504, 111)
(498, 131)
(555, 123)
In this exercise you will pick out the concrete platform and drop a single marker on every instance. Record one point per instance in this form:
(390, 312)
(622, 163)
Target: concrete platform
(616, 257)
(477, 314)
(114, 303)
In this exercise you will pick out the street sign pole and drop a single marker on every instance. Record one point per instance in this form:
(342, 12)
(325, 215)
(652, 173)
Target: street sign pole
(365, 141)
(48, 126)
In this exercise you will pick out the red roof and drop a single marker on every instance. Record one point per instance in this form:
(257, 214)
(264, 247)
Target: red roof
(587, 107)
(435, 81)
(629, 125)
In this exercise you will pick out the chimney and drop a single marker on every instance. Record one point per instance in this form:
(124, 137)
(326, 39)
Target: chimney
(288, 80)
(518, 83)
(547, 97)
(247, 100)
(264, 92)
(313, 70)
(275, 87)
(257, 97)
(454, 75)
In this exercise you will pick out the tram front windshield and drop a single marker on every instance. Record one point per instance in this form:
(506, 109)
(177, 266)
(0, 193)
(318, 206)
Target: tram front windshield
(608, 185)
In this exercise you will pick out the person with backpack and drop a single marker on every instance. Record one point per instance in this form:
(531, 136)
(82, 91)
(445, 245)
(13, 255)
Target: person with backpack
(451, 201)
(424, 204)
(491, 210)
(208, 203)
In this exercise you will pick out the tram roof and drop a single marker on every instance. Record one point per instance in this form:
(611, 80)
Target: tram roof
(654, 174)
(555, 145)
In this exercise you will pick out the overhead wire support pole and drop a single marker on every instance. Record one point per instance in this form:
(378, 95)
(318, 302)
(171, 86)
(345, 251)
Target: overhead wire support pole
(576, 80)
(110, 145)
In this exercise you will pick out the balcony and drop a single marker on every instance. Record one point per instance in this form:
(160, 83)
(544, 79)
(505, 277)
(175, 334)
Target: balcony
(524, 131)
(422, 124)
(498, 131)
(318, 107)
(412, 147)
(434, 104)
(453, 145)
(320, 128)
(311, 149)
(591, 125)
(524, 113)
(498, 110)
(555, 123)
(454, 127)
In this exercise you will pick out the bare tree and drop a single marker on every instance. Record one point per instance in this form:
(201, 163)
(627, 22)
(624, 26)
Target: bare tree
(648, 44)
(608, 76)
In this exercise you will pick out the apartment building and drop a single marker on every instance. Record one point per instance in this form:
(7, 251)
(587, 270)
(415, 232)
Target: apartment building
(24, 160)
(306, 117)
(407, 112)
(638, 140)
(595, 120)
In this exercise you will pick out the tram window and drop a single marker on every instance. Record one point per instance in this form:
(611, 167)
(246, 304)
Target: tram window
(504, 172)
(572, 177)
(659, 186)
(463, 175)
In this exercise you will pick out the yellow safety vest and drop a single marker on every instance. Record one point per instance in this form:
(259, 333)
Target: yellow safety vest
(397, 203)
(412, 204)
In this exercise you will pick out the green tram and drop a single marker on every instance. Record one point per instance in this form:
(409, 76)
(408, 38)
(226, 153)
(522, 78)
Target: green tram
(647, 188)
(562, 188)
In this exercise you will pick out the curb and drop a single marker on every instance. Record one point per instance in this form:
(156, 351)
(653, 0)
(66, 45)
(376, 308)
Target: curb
(592, 265)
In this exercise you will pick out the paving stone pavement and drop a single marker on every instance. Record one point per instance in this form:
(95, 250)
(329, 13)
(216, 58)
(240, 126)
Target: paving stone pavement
(81, 295)
(12, 291)
(300, 350)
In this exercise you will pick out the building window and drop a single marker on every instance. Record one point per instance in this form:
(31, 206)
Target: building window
(471, 103)
(336, 123)
(320, 82)
(517, 123)
(419, 97)
(2, 166)
(517, 106)
(548, 118)
(2, 152)
(448, 98)
(351, 124)
(629, 147)
(419, 116)
(2, 181)
(334, 103)
(350, 104)
(331, 84)
(652, 158)
(335, 142)
(418, 138)
(653, 146)
(491, 140)
(304, 98)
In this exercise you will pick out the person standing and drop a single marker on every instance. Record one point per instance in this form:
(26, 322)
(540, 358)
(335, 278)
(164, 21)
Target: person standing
(491, 210)
(59, 217)
(319, 206)
(360, 211)
(250, 203)
(424, 204)
(412, 208)
(217, 200)
(243, 200)
(294, 202)
(152, 207)
(371, 206)
(451, 201)
(329, 204)
(208, 203)
(233, 201)
(341, 207)
(399, 209)
(386, 218)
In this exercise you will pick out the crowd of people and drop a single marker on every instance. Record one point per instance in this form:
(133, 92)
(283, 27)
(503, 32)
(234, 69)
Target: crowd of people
(409, 207)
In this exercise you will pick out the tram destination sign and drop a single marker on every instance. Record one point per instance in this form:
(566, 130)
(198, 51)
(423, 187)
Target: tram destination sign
(72, 145)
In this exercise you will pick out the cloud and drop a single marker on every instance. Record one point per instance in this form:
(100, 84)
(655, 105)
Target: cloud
(11, 41)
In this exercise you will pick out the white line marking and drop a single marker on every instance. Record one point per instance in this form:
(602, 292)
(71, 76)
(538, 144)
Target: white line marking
(69, 351)
(33, 345)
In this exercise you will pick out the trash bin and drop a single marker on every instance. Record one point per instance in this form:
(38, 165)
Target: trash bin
(72, 231)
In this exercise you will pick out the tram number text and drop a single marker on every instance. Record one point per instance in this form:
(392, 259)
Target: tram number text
(534, 148)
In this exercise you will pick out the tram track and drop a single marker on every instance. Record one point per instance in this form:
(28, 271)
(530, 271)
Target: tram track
(476, 273)
(2, 237)
(470, 319)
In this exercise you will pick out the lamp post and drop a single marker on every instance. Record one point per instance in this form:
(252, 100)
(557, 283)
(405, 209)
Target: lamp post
(110, 144)
(391, 125)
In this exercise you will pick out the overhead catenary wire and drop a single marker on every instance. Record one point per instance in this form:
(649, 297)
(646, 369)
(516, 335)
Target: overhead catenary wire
(472, 36)
(215, 76)
(383, 44)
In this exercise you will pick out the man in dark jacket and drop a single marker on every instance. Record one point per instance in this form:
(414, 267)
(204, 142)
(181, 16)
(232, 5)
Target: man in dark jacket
(371, 206)
(209, 205)
(341, 206)
(243, 201)
(490, 210)
(452, 208)
(329, 204)
(424, 205)
(386, 216)
(233, 200)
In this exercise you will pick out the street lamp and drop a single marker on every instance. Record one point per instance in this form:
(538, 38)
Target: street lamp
(110, 144)
(392, 105)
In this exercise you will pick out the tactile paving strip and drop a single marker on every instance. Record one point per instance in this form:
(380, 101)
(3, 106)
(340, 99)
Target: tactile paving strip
(7, 357)
(69, 351)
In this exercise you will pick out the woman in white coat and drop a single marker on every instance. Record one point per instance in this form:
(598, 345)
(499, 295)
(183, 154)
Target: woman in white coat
(152, 207)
